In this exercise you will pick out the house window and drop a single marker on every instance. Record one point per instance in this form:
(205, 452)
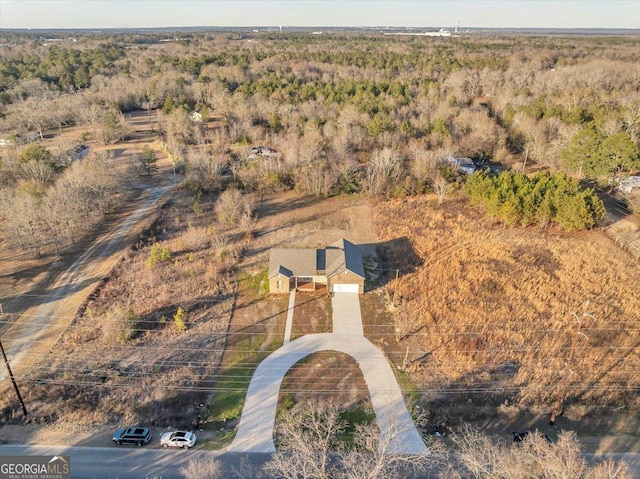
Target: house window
(278, 284)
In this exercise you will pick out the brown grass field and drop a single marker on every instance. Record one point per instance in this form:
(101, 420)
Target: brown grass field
(493, 315)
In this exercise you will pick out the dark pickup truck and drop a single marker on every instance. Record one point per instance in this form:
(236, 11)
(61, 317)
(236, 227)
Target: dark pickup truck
(132, 435)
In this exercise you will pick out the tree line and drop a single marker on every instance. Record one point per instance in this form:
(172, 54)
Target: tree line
(318, 443)
(53, 207)
(539, 199)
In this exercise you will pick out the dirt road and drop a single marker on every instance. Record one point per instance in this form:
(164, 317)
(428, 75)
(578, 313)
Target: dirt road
(37, 328)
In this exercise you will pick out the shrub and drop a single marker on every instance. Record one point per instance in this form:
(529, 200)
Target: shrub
(119, 324)
(202, 468)
(179, 320)
(158, 254)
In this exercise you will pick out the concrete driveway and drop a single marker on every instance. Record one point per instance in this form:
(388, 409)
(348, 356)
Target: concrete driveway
(346, 314)
(255, 432)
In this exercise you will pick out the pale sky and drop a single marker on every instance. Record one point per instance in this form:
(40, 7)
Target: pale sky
(409, 13)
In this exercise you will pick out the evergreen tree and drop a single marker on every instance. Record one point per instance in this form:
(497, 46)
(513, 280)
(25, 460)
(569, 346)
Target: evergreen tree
(619, 153)
(516, 198)
(582, 153)
(148, 160)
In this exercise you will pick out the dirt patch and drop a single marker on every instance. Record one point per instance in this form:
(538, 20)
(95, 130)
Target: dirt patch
(327, 377)
(312, 313)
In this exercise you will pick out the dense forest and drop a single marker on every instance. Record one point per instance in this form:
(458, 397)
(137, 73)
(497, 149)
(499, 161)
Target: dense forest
(368, 114)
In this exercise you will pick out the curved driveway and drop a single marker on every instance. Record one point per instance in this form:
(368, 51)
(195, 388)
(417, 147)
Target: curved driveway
(255, 432)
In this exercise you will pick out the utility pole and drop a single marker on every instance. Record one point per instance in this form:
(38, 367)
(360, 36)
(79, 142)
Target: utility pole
(395, 289)
(567, 365)
(13, 380)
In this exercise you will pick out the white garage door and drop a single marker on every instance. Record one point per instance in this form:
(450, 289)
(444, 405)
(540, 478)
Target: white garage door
(345, 288)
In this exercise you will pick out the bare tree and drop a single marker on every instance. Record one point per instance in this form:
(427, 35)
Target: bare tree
(372, 457)
(232, 206)
(382, 169)
(423, 162)
(477, 457)
(310, 447)
(179, 127)
(441, 187)
(204, 170)
(21, 215)
(306, 441)
(202, 469)
(33, 101)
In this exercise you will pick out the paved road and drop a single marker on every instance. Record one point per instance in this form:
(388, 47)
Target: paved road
(630, 458)
(126, 462)
(255, 432)
(141, 463)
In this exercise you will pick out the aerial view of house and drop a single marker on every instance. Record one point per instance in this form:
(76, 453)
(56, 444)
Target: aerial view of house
(338, 267)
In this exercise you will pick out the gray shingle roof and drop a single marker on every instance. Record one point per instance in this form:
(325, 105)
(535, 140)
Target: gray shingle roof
(344, 255)
(334, 259)
(297, 262)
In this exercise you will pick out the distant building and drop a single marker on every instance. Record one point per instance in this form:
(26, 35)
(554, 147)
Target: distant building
(77, 153)
(627, 185)
(263, 151)
(461, 163)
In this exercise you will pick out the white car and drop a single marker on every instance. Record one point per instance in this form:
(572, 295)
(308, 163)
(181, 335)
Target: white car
(181, 439)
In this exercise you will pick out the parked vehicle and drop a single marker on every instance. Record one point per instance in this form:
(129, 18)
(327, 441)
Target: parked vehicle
(132, 435)
(181, 439)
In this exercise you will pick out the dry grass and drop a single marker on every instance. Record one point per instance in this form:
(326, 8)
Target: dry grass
(488, 312)
(329, 377)
(124, 359)
(312, 313)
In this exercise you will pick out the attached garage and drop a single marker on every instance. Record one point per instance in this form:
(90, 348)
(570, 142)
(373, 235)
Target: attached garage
(345, 288)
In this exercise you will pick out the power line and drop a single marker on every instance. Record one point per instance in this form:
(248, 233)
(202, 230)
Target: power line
(112, 325)
(463, 389)
(430, 329)
(421, 351)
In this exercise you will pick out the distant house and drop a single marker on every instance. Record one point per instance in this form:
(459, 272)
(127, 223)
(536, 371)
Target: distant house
(77, 153)
(461, 163)
(19, 139)
(338, 267)
(628, 184)
(263, 151)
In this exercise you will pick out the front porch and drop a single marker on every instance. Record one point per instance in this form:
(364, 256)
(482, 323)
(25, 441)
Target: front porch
(305, 283)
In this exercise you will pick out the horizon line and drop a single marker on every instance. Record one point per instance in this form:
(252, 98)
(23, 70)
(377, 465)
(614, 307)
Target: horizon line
(317, 27)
